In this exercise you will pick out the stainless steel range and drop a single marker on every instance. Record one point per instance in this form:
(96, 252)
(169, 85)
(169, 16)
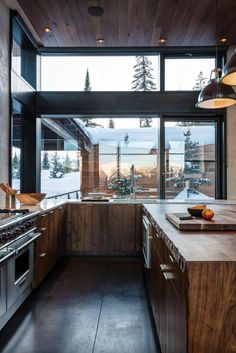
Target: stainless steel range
(17, 235)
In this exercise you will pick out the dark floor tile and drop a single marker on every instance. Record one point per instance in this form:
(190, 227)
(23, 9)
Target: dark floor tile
(84, 306)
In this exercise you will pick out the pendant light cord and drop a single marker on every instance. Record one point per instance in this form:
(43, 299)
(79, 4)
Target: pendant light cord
(216, 31)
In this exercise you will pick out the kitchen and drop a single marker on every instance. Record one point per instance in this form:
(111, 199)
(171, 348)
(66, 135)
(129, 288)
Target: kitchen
(100, 267)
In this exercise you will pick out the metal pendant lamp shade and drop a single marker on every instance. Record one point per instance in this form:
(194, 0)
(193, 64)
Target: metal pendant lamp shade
(229, 71)
(216, 94)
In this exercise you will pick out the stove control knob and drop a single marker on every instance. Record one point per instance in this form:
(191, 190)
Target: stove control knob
(2, 237)
(8, 235)
(17, 231)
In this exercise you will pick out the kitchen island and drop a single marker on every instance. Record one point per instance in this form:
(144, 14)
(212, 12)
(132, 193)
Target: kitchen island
(192, 284)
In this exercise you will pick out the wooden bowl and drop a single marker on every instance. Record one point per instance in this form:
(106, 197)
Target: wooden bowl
(30, 199)
(195, 212)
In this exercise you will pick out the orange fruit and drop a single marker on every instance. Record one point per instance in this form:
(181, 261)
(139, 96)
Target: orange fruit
(207, 214)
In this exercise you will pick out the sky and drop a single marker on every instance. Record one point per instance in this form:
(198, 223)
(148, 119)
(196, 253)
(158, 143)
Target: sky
(107, 73)
(115, 73)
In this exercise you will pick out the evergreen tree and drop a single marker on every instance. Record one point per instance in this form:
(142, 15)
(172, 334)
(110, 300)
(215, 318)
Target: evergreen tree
(192, 172)
(145, 122)
(143, 81)
(67, 164)
(87, 85)
(57, 170)
(200, 82)
(16, 166)
(88, 121)
(111, 124)
(45, 161)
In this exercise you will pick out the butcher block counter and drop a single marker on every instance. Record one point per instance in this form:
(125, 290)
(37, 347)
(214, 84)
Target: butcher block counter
(192, 283)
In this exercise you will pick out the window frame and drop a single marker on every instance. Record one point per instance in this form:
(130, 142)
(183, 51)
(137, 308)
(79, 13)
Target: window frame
(220, 149)
(193, 54)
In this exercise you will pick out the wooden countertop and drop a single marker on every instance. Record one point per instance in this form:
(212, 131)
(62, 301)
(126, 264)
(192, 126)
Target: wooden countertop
(193, 246)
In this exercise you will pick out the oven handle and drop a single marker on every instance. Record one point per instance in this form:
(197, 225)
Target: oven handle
(37, 235)
(7, 256)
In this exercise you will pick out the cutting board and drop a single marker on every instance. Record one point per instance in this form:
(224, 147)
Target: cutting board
(225, 221)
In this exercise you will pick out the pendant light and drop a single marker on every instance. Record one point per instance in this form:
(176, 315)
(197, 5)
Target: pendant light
(216, 95)
(229, 71)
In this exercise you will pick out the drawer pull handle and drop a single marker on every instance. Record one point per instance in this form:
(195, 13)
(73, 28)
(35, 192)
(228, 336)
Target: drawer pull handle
(51, 212)
(60, 208)
(165, 267)
(171, 259)
(43, 254)
(43, 229)
(168, 276)
(43, 215)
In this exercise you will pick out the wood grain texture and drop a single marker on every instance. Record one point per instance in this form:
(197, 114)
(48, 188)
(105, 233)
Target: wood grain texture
(131, 22)
(41, 251)
(222, 221)
(122, 228)
(212, 307)
(190, 246)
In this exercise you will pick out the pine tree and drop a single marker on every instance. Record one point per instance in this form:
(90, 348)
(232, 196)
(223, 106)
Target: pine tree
(88, 121)
(143, 81)
(87, 85)
(200, 82)
(16, 166)
(45, 161)
(111, 124)
(67, 164)
(57, 167)
(191, 172)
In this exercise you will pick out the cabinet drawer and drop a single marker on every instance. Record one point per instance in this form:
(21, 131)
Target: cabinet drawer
(158, 242)
(173, 273)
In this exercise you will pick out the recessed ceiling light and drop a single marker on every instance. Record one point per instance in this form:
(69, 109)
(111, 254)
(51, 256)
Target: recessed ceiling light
(162, 40)
(100, 40)
(96, 11)
(47, 29)
(223, 40)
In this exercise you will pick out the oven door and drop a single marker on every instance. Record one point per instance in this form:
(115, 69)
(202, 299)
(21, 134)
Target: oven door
(19, 273)
(3, 291)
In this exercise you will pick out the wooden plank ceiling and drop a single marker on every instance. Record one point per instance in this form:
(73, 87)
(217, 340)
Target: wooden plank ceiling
(132, 22)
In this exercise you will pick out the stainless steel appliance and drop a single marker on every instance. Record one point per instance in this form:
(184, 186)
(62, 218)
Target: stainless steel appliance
(3, 292)
(147, 241)
(17, 235)
(20, 266)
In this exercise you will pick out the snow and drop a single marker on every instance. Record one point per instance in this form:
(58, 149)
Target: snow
(204, 135)
(183, 195)
(69, 182)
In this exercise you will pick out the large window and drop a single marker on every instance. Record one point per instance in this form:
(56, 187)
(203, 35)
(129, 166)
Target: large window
(116, 156)
(100, 73)
(16, 151)
(60, 161)
(126, 157)
(187, 74)
(190, 159)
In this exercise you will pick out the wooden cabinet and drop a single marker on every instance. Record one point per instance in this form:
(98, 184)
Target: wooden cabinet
(122, 228)
(165, 283)
(88, 228)
(41, 250)
(104, 229)
(50, 246)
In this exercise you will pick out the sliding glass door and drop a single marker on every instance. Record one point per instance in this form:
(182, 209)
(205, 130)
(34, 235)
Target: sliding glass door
(191, 159)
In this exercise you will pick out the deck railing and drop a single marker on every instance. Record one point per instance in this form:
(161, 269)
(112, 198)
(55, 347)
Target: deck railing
(68, 194)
